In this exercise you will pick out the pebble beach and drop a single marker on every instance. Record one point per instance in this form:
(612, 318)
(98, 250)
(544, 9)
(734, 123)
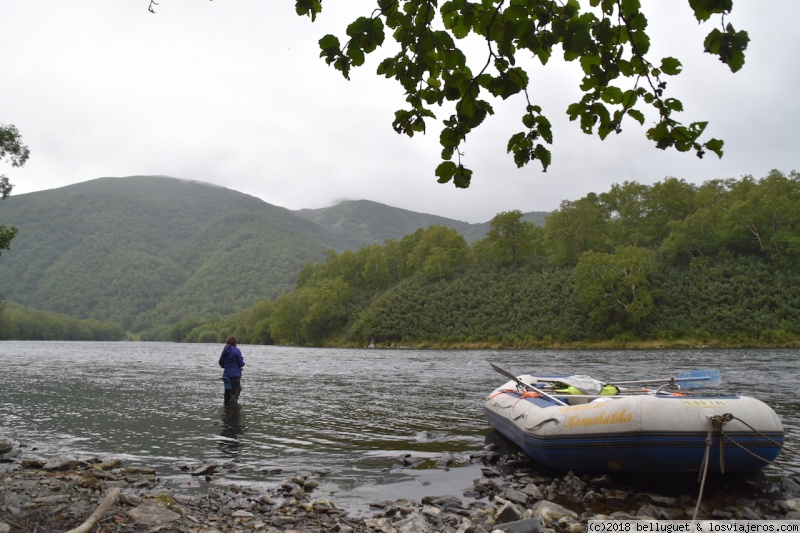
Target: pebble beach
(511, 495)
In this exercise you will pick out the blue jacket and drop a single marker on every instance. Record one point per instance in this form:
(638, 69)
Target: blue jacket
(232, 361)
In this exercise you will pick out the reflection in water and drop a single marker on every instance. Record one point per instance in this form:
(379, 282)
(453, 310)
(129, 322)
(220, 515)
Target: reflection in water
(231, 429)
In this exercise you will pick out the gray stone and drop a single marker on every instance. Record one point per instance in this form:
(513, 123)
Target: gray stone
(102, 474)
(152, 515)
(617, 496)
(516, 496)
(410, 460)
(529, 525)
(58, 498)
(445, 502)
(533, 491)
(412, 524)
(61, 463)
(648, 511)
(508, 513)
(593, 497)
(206, 469)
(445, 460)
(657, 499)
(481, 488)
(548, 512)
(430, 510)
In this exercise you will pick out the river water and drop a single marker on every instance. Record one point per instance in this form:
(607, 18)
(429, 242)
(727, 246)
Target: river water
(351, 413)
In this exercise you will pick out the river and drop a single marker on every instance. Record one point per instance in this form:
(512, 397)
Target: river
(351, 413)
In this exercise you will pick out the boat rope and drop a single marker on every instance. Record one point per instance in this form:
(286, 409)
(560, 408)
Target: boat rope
(522, 394)
(504, 391)
(716, 423)
(719, 420)
(704, 472)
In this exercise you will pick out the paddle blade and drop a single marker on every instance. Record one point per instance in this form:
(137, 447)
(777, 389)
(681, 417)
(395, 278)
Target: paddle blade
(697, 379)
(505, 373)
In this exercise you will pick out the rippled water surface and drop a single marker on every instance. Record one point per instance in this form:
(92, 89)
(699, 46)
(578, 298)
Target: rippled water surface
(350, 412)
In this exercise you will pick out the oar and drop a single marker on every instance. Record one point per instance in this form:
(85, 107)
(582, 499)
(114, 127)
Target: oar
(690, 379)
(525, 385)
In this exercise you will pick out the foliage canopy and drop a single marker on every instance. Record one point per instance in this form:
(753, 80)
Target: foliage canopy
(14, 152)
(608, 38)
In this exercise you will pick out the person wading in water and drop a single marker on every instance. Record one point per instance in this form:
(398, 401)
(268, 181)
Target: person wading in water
(232, 361)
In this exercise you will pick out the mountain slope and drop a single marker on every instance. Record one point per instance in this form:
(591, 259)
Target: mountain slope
(122, 248)
(361, 222)
(148, 251)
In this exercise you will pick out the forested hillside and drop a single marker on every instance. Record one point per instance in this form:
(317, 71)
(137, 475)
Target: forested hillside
(145, 252)
(669, 263)
(18, 322)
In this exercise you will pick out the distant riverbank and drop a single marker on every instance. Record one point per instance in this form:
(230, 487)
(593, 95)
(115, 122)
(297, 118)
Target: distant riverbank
(607, 344)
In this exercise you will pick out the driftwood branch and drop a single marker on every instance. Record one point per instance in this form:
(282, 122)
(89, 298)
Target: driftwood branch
(98, 513)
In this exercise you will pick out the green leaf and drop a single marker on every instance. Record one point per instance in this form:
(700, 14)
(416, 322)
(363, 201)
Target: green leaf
(445, 171)
(713, 41)
(703, 9)
(715, 145)
(528, 120)
(629, 98)
(625, 68)
(637, 23)
(521, 146)
(629, 8)
(612, 95)
(330, 42)
(387, 67)
(671, 66)
(543, 155)
(636, 115)
(449, 138)
(728, 46)
(698, 128)
(545, 129)
(588, 61)
(462, 177)
(308, 7)
(514, 140)
(641, 41)
(356, 56)
(674, 104)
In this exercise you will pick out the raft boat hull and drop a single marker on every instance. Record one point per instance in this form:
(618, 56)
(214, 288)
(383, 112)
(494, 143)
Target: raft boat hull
(640, 433)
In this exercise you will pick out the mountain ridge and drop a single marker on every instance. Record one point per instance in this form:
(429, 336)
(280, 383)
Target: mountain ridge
(144, 251)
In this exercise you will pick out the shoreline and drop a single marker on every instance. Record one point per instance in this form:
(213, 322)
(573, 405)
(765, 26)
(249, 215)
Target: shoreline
(599, 345)
(58, 494)
(519, 344)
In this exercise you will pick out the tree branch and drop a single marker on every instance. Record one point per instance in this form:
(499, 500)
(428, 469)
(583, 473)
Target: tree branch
(101, 510)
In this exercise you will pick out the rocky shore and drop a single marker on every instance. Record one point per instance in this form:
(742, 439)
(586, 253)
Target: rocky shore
(512, 495)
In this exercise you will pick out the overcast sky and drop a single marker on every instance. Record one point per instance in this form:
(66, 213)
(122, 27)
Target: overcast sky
(233, 92)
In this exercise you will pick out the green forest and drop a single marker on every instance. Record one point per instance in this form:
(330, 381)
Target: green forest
(18, 322)
(145, 252)
(671, 263)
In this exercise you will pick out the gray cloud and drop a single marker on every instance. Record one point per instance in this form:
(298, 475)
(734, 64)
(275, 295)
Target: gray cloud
(235, 94)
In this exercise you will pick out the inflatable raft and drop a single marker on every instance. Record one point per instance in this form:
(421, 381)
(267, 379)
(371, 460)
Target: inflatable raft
(562, 426)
